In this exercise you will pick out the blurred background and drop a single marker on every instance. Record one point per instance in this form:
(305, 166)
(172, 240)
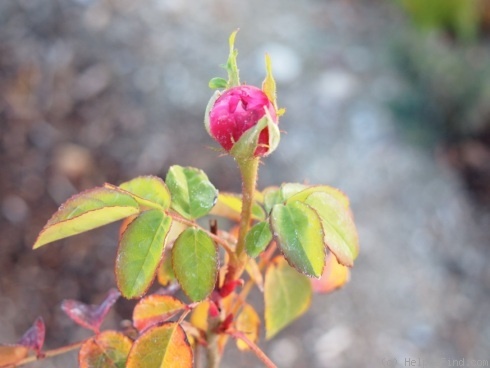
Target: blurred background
(389, 101)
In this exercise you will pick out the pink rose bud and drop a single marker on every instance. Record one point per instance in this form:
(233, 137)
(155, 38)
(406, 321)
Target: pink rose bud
(237, 110)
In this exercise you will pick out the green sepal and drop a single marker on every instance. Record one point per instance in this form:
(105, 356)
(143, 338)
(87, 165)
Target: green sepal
(217, 83)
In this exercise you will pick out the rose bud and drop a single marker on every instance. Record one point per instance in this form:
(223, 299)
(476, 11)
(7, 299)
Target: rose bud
(237, 110)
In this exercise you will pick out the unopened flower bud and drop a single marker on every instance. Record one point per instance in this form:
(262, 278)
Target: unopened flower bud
(237, 110)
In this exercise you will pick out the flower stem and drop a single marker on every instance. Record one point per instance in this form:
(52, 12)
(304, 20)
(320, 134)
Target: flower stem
(213, 355)
(249, 170)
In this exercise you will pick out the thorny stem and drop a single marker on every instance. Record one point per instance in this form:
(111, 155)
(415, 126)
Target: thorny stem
(48, 354)
(249, 170)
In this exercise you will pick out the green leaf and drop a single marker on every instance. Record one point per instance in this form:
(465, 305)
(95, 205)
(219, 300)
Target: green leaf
(195, 263)
(258, 238)
(229, 205)
(161, 346)
(148, 191)
(287, 296)
(140, 251)
(85, 211)
(193, 195)
(290, 189)
(109, 349)
(272, 196)
(217, 83)
(340, 233)
(338, 194)
(299, 234)
(154, 309)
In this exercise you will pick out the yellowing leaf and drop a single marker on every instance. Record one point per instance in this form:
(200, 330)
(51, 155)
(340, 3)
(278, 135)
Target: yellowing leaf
(195, 263)
(334, 276)
(253, 271)
(199, 316)
(340, 233)
(149, 191)
(165, 272)
(334, 192)
(229, 205)
(109, 349)
(248, 322)
(161, 346)
(299, 235)
(269, 84)
(154, 309)
(85, 211)
(140, 251)
(287, 296)
(11, 354)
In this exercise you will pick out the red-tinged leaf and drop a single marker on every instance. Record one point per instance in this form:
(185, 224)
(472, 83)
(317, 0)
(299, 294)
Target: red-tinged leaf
(12, 354)
(110, 349)
(33, 338)
(334, 276)
(247, 322)
(90, 316)
(161, 346)
(155, 309)
(140, 252)
(340, 233)
(287, 295)
(149, 191)
(85, 211)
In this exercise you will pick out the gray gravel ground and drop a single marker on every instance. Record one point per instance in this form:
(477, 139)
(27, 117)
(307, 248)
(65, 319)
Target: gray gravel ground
(98, 91)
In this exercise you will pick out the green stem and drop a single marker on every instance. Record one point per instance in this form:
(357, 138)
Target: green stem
(249, 170)
(213, 356)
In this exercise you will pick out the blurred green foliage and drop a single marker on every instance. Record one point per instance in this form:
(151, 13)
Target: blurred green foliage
(447, 94)
(459, 17)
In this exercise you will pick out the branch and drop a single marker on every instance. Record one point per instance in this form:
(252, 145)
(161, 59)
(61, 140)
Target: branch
(48, 354)
(260, 354)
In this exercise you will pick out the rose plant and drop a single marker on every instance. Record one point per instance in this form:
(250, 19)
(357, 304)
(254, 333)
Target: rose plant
(288, 241)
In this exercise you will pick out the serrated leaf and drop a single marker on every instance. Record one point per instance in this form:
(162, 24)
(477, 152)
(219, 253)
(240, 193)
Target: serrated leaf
(217, 83)
(12, 354)
(155, 309)
(109, 349)
(161, 346)
(90, 316)
(149, 191)
(334, 276)
(140, 251)
(299, 234)
(287, 296)
(193, 195)
(340, 233)
(33, 338)
(229, 205)
(258, 238)
(165, 272)
(248, 322)
(85, 211)
(303, 194)
(195, 263)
